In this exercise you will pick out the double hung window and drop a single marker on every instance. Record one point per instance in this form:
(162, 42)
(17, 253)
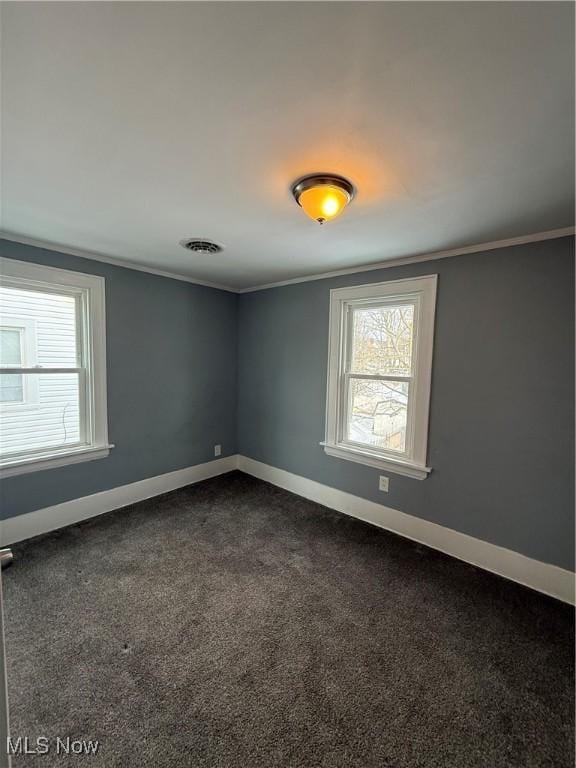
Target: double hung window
(52, 367)
(380, 365)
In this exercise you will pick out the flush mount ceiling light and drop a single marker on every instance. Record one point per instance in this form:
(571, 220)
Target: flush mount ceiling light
(323, 196)
(201, 247)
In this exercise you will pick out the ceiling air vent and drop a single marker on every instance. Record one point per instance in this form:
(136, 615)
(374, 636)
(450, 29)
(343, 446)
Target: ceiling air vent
(201, 247)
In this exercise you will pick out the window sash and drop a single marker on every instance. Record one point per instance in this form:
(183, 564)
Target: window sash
(80, 296)
(387, 302)
(346, 374)
(345, 416)
(84, 395)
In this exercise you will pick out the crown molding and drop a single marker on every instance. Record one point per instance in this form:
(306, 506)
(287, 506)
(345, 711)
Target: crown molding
(48, 246)
(551, 234)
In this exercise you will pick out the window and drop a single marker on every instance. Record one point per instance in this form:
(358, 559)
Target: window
(11, 387)
(379, 372)
(52, 368)
(17, 350)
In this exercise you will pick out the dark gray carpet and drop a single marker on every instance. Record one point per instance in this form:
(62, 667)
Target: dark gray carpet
(233, 624)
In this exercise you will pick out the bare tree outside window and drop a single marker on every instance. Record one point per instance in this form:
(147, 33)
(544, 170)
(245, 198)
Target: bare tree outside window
(381, 346)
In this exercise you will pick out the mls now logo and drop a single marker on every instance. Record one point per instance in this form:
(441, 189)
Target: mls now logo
(42, 745)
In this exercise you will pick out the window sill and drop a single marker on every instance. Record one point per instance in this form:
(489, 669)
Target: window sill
(53, 460)
(397, 466)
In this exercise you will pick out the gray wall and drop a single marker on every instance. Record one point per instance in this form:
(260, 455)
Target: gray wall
(502, 410)
(171, 349)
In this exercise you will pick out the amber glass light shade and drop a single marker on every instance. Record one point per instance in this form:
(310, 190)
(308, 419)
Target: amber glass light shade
(323, 198)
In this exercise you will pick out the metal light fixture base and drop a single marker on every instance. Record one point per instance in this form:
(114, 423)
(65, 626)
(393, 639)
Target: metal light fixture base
(322, 179)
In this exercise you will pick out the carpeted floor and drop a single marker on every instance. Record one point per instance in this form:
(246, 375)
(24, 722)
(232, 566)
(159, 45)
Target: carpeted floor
(233, 625)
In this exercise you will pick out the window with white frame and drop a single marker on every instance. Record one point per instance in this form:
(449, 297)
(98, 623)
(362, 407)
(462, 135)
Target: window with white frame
(52, 367)
(379, 374)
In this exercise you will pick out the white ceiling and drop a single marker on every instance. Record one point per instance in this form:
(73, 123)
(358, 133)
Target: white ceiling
(128, 126)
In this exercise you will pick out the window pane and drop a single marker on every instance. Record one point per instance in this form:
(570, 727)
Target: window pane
(49, 325)
(377, 413)
(11, 389)
(10, 349)
(382, 340)
(48, 417)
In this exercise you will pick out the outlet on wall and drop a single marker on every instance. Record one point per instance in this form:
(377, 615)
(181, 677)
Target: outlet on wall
(217, 450)
(383, 485)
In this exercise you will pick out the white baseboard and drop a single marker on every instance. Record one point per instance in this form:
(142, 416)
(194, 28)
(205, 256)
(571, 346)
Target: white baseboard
(48, 519)
(543, 577)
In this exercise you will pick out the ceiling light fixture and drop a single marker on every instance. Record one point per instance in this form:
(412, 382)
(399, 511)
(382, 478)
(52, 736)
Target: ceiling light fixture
(323, 196)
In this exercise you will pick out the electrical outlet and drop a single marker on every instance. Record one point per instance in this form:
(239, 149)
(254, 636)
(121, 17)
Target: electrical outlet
(217, 450)
(383, 485)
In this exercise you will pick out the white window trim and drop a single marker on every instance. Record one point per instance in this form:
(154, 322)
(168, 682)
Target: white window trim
(423, 291)
(91, 289)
